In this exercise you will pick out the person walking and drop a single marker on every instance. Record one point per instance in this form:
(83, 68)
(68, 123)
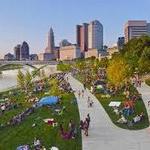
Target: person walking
(79, 93)
(88, 119)
(82, 93)
(85, 127)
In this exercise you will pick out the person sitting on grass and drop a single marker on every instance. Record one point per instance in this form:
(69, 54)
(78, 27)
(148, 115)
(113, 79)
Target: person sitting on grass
(37, 144)
(136, 119)
(122, 120)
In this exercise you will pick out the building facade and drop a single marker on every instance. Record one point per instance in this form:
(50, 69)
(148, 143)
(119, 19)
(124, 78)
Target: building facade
(69, 52)
(45, 56)
(135, 29)
(91, 53)
(95, 35)
(82, 36)
(50, 42)
(120, 42)
(17, 52)
(9, 57)
(33, 57)
(24, 51)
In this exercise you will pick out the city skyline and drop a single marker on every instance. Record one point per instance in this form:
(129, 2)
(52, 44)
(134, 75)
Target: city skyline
(30, 20)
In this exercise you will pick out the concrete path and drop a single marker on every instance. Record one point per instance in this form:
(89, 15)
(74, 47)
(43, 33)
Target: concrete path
(145, 91)
(103, 134)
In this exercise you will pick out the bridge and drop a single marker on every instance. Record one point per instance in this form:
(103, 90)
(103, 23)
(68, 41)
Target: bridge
(31, 63)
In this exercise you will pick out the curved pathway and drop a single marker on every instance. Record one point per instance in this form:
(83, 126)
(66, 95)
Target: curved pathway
(103, 134)
(145, 91)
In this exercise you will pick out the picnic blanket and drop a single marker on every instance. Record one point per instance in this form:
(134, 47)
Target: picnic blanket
(114, 104)
(48, 100)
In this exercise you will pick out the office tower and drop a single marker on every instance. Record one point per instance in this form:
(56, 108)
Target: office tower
(17, 52)
(148, 28)
(24, 51)
(82, 36)
(51, 44)
(95, 35)
(135, 29)
(120, 42)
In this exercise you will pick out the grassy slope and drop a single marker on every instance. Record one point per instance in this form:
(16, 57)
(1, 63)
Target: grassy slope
(139, 107)
(11, 137)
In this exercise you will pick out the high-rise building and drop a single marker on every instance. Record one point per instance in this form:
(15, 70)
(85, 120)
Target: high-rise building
(120, 42)
(51, 44)
(17, 52)
(82, 36)
(95, 35)
(24, 51)
(135, 29)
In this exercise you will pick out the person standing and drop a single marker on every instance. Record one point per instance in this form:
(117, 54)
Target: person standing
(88, 119)
(79, 93)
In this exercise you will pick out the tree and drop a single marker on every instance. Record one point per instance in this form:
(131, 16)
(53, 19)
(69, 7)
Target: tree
(144, 61)
(118, 71)
(28, 82)
(20, 80)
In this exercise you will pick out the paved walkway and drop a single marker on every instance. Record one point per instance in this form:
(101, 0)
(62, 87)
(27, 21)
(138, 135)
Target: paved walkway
(145, 91)
(103, 134)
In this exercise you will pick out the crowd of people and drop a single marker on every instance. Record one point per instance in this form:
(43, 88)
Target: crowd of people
(20, 117)
(7, 106)
(72, 130)
(84, 125)
(63, 84)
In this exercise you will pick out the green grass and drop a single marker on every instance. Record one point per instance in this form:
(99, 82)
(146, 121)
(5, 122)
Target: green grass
(139, 107)
(147, 81)
(11, 137)
(11, 67)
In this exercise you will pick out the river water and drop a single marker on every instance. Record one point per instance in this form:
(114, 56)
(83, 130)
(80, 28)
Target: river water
(8, 79)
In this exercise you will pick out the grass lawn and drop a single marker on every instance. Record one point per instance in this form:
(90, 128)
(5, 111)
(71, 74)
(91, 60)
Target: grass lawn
(24, 133)
(139, 107)
(147, 81)
(11, 67)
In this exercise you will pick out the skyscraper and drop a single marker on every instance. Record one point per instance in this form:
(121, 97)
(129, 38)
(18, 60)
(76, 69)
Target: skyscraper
(135, 29)
(51, 44)
(17, 52)
(95, 35)
(82, 36)
(120, 42)
(24, 51)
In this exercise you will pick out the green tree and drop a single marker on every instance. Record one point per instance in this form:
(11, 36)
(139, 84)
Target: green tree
(21, 80)
(118, 71)
(28, 82)
(144, 61)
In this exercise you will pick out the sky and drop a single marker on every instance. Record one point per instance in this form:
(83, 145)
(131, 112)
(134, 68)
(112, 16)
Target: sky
(30, 20)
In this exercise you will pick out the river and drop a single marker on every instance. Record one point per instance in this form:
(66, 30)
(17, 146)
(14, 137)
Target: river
(8, 79)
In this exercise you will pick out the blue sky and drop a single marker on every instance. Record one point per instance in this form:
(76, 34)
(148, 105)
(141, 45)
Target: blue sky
(30, 20)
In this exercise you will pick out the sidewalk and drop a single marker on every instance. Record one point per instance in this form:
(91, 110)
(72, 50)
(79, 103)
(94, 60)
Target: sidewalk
(103, 134)
(145, 91)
